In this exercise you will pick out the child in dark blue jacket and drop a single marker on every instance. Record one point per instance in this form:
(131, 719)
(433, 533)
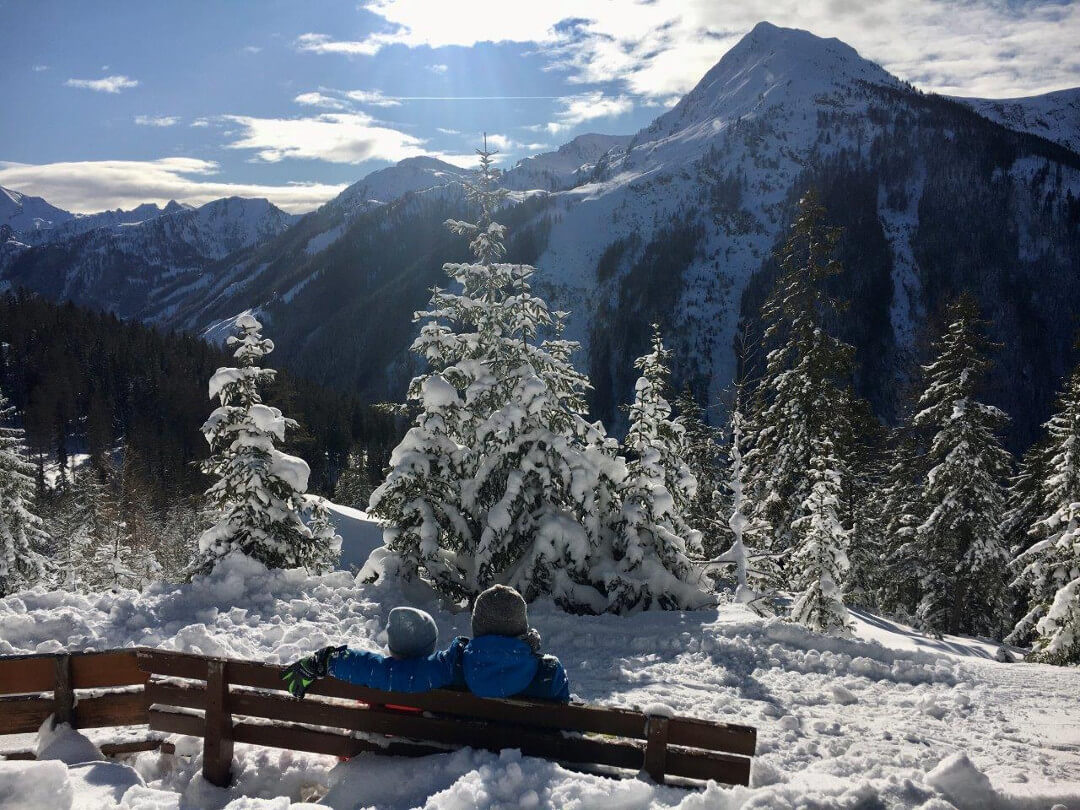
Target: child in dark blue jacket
(412, 666)
(503, 659)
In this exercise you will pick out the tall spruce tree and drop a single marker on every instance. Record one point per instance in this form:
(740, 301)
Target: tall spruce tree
(756, 574)
(805, 394)
(703, 451)
(1049, 571)
(501, 478)
(258, 498)
(819, 563)
(957, 554)
(22, 533)
(654, 543)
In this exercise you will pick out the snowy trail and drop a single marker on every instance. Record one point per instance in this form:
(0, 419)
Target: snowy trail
(840, 721)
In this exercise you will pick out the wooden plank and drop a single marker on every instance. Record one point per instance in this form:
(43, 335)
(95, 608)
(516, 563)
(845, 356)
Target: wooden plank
(104, 669)
(188, 697)
(172, 664)
(173, 722)
(133, 747)
(117, 709)
(24, 715)
(694, 733)
(27, 674)
(656, 742)
(334, 743)
(724, 768)
(20, 755)
(217, 739)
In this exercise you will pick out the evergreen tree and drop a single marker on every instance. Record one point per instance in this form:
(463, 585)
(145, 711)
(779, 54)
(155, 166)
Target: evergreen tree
(819, 563)
(22, 533)
(258, 497)
(805, 393)
(501, 478)
(900, 485)
(756, 574)
(1049, 571)
(704, 454)
(353, 487)
(957, 545)
(654, 544)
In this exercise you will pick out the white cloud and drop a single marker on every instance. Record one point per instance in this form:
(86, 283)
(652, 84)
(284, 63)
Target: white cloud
(252, 49)
(87, 186)
(200, 122)
(109, 84)
(438, 68)
(39, 68)
(322, 43)
(317, 99)
(157, 120)
(587, 106)
(661, 48)
(446, 131)
(374, 98)
(334, 137)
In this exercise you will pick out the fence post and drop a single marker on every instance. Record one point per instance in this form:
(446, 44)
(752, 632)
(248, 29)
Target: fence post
(64, 692)
(656, 736)
(217, 740)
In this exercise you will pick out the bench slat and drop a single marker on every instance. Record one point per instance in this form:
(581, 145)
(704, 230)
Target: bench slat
(120, 709)
(24, 715)
(104, 669)
(27, 674)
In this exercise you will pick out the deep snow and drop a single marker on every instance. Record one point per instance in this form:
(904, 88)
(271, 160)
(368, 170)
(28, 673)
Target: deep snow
(896, 721)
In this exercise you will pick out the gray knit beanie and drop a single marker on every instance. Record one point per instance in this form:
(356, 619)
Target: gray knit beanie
(411, 633)
(500, 611)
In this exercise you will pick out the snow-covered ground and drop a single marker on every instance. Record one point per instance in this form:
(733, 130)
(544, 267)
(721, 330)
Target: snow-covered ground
(888, 719)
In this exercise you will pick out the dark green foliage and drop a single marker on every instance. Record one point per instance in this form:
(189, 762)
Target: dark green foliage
(90, 382)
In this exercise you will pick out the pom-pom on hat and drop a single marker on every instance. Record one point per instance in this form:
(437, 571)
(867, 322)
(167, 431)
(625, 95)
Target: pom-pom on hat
(411, 633)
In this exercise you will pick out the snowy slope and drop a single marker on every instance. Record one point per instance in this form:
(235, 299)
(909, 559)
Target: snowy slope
(1054, 116)
(141, 269)
(26, 214)
(393, 182)
(568, 166)
(841, 723)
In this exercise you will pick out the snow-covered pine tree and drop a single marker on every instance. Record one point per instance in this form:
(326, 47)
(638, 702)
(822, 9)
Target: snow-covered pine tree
(894, 523)
(957, 540)
(756, 574)
(703, 451)
(501, 479)
(22, 533)
(819, 562)
(654, 544)
(805, 392)
(258, 497)
(1049, 571)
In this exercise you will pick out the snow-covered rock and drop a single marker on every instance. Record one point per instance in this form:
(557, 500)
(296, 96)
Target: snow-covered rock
(1054, 116)
(26, 214)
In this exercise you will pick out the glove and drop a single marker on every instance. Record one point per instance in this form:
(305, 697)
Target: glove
(300, 676)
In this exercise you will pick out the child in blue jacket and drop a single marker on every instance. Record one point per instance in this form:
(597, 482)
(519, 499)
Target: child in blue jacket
(412, 666)
(503, 659)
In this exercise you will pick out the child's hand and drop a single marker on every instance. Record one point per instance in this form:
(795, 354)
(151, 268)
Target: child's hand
(298, 677)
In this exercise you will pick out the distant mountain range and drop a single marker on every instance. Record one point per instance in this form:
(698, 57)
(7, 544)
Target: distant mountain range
(675, 224)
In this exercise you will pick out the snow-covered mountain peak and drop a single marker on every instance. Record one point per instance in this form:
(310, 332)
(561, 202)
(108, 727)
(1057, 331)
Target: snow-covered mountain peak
(770, 67)
(1054, 116)
(565, 167)
(25, 214)
(385, 185)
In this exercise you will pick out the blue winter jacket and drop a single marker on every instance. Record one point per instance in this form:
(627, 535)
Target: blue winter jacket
(376, 671)
(504, 666)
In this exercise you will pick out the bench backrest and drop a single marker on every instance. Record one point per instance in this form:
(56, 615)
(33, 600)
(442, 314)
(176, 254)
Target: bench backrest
(191, 694)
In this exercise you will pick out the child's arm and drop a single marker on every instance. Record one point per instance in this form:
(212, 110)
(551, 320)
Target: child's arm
(299, 676)
(550, 681)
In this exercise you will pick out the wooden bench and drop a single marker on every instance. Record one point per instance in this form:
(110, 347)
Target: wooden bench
(226, 701)
(87, 690)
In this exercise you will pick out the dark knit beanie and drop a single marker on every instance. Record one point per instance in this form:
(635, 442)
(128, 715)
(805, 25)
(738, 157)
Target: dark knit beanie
(500, 611)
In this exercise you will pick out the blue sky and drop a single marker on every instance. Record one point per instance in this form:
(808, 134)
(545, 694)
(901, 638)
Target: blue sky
(110, 104)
